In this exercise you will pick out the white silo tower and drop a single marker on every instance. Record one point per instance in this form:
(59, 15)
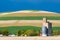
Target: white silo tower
(47, 28)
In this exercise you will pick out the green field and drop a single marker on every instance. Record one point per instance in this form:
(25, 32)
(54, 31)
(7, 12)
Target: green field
(14, 29)
(30, 18)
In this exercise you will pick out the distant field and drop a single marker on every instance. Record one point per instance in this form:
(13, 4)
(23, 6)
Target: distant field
(38, 23)
(14, 29)
(30, 18)
(31, 14)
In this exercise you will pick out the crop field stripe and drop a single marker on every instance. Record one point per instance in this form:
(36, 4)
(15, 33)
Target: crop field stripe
(30, 18)
(14, 29)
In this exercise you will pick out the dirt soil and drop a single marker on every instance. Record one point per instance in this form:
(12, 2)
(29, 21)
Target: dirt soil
(31, 38)
(37, 23)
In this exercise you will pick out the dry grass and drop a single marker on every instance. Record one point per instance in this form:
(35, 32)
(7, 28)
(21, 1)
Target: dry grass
(37, 23)
(32, 14)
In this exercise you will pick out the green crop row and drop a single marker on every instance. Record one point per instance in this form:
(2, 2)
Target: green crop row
(30, 18)
(14, 29)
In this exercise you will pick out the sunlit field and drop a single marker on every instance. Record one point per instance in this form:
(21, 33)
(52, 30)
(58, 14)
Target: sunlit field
(14, 29)
(30, 17)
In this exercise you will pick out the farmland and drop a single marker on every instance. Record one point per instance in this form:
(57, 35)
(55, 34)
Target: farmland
(14, 29)
(38, 23)
(25, 18)
(27, 21)
(30, 17)
(24, 23)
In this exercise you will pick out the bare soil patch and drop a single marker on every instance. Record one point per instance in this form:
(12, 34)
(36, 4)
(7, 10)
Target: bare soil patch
(37, 23)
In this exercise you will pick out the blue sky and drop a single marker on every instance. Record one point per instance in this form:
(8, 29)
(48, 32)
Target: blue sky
(16, 5)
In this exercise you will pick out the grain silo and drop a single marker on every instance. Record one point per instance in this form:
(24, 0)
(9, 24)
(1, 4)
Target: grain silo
(47, 27)
(44, 31)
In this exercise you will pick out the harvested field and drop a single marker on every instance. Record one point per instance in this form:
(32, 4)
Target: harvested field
(32, 14)
(37, 23)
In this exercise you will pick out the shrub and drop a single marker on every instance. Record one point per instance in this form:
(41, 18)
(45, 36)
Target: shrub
(5, 32)
(56, 32)
(31, 33)
(0, 32)
(20, 32)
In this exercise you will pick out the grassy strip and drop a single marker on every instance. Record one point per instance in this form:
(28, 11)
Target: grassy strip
(14, 29)
(31, 18)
